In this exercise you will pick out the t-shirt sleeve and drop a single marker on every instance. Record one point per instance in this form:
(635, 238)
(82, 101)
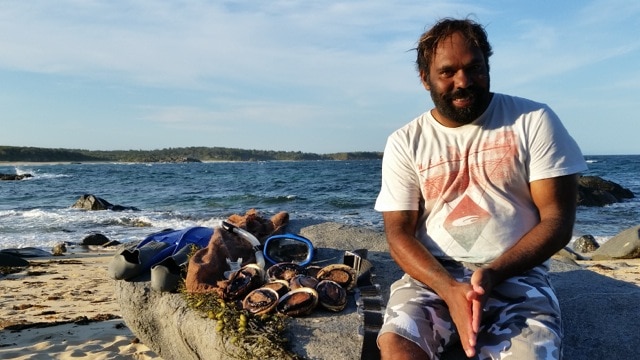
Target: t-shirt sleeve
(400, 189)
(553, 152)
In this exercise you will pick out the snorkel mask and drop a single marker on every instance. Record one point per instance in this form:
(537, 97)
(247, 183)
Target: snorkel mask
(288, 248)
(277, 248)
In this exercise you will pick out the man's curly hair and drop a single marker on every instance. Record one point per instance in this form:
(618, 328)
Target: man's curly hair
(429, 41)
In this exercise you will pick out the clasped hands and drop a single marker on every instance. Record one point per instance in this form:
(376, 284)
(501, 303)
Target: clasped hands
(466, 302)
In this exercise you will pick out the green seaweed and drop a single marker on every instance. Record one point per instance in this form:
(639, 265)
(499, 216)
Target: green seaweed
(243, 335)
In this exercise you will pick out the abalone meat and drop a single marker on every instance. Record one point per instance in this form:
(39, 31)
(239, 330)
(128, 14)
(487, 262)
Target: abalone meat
(331, 295)
(299, 281)
(241, 282)
(260, 301)
(298, 302)
(342, 274)
(284, 271)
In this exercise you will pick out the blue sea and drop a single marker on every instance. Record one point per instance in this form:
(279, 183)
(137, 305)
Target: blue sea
(37, 212)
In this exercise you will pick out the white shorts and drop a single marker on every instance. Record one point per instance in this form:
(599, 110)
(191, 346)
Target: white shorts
(521, 319)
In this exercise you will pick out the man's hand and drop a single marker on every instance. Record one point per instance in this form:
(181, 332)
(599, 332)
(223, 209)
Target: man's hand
(466, 303)
(465, 308)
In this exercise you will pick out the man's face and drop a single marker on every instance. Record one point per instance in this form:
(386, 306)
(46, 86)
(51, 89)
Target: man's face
(458, 82)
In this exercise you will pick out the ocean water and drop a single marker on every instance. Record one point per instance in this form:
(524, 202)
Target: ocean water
(37, 212)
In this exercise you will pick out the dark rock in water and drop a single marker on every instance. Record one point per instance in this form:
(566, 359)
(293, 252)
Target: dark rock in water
(585, 244)
(595, 191)
(625, 245)
(95, 239)
(26, 252)
(15, 176)
(92, 202)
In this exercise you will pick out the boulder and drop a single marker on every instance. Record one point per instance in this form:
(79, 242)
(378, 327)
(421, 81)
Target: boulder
(585, 244)
(15, 176)
(92, 202)
(625, 245)
(595, 191)
(163, 322)
(10, 260)
(95, 239)
(26, 252)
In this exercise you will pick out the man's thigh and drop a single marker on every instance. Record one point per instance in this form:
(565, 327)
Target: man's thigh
(419, 315)
(522, 320)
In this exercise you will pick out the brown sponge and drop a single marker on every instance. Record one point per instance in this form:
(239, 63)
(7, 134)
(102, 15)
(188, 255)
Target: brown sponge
(205, 272)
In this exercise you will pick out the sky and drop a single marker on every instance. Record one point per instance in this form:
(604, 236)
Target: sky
(284, 75)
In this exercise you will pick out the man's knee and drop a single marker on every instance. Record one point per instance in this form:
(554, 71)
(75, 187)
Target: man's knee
(396, 347)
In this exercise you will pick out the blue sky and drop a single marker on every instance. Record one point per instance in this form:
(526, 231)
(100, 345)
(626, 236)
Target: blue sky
(311, 76)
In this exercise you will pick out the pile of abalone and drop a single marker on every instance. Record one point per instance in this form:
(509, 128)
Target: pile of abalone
(290, 289)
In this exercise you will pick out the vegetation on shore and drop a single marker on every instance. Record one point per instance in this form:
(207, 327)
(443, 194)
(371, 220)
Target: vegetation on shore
(184, 154)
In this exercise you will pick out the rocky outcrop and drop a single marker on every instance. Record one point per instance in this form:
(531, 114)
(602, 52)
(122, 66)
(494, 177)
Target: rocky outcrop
(592, 320)
(595, 191)
(15, 176)
(163, 322)
(92, 202)
(625, 245)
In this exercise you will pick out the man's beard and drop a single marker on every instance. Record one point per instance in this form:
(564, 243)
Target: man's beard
(479, 96)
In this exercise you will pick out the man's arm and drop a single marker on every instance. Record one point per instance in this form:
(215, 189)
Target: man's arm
(420, 264)
(555, 199)
(409, 253)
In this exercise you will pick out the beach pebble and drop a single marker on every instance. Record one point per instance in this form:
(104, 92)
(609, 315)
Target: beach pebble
(59, 249)
(585, 244)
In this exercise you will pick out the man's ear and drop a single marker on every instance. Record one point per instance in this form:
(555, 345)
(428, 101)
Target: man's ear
(424, 77)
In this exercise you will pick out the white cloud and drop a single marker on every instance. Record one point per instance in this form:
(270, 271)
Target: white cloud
(293, 66)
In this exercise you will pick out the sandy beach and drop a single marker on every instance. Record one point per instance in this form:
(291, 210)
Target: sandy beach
(63, 307)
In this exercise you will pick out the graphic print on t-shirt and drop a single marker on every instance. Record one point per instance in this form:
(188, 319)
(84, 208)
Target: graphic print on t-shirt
(466, 222)
(453, 184)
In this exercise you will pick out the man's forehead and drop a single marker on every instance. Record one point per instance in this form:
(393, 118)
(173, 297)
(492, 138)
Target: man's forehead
(457, 44)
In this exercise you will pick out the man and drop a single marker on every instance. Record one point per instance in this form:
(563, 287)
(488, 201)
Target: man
(477, 194)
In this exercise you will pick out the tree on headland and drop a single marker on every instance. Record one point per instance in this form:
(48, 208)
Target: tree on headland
(34, 154)
(183, 154)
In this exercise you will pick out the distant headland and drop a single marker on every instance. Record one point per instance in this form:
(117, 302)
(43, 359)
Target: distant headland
(172, 155)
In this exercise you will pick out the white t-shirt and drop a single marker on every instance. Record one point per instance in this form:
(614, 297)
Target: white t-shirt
(471, 183)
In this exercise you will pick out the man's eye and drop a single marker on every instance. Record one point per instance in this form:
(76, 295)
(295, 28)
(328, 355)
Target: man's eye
(478, 69)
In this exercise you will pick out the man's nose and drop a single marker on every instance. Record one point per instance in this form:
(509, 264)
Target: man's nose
(462, 79)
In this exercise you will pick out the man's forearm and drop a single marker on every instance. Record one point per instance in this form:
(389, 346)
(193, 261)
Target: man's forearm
(537, 246)
(410, 254)
(555, 199)
(414, 259)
